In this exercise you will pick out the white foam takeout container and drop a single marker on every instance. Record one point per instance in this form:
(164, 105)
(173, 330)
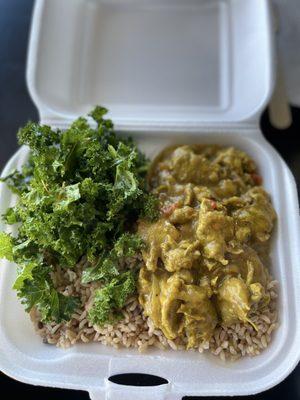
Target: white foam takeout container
(170, 71)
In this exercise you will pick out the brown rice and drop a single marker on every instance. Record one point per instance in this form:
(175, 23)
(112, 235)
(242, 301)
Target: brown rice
(135, 330)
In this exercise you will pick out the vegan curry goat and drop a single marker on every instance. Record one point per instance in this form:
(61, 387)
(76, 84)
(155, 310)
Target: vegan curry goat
(206, 257)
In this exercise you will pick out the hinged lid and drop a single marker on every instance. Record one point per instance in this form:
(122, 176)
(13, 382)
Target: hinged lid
(152, 63)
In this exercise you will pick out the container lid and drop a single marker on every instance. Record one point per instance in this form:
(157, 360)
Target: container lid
(152, 63)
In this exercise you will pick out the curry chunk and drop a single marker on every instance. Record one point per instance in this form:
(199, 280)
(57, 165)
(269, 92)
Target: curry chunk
(249, 266)
(182, 215)
(155, 235)
(182, 256)
(256, 218)
(233, 301)
(176, 306)
(257, 292)
(200, 317)
(172, 322)
(149, 287)
(215, 229)
(190, 167)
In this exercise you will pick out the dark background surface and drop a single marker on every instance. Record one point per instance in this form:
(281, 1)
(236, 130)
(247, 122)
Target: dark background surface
(16, 108)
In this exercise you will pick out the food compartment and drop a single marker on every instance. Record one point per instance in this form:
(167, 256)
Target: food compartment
(183, 369)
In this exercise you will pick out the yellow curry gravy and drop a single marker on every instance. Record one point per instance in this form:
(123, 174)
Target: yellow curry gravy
(205, 257)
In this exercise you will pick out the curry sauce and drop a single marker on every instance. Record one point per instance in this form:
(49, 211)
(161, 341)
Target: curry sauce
(205, 261)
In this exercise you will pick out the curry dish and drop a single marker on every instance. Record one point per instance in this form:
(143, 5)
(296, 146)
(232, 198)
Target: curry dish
(114, 250)
(206, 257)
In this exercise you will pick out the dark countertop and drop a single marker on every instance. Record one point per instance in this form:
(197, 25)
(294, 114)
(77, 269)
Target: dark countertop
(16, 108)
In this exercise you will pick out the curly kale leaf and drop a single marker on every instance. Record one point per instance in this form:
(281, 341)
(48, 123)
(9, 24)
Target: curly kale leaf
(107, 266)
(33, 283)
(38, 291)
(6, 246)
(109, 299)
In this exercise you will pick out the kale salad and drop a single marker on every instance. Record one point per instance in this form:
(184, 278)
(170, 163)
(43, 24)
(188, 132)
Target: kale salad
(79, 195)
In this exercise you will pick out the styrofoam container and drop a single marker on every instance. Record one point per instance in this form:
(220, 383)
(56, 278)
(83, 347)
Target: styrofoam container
(170, 71)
